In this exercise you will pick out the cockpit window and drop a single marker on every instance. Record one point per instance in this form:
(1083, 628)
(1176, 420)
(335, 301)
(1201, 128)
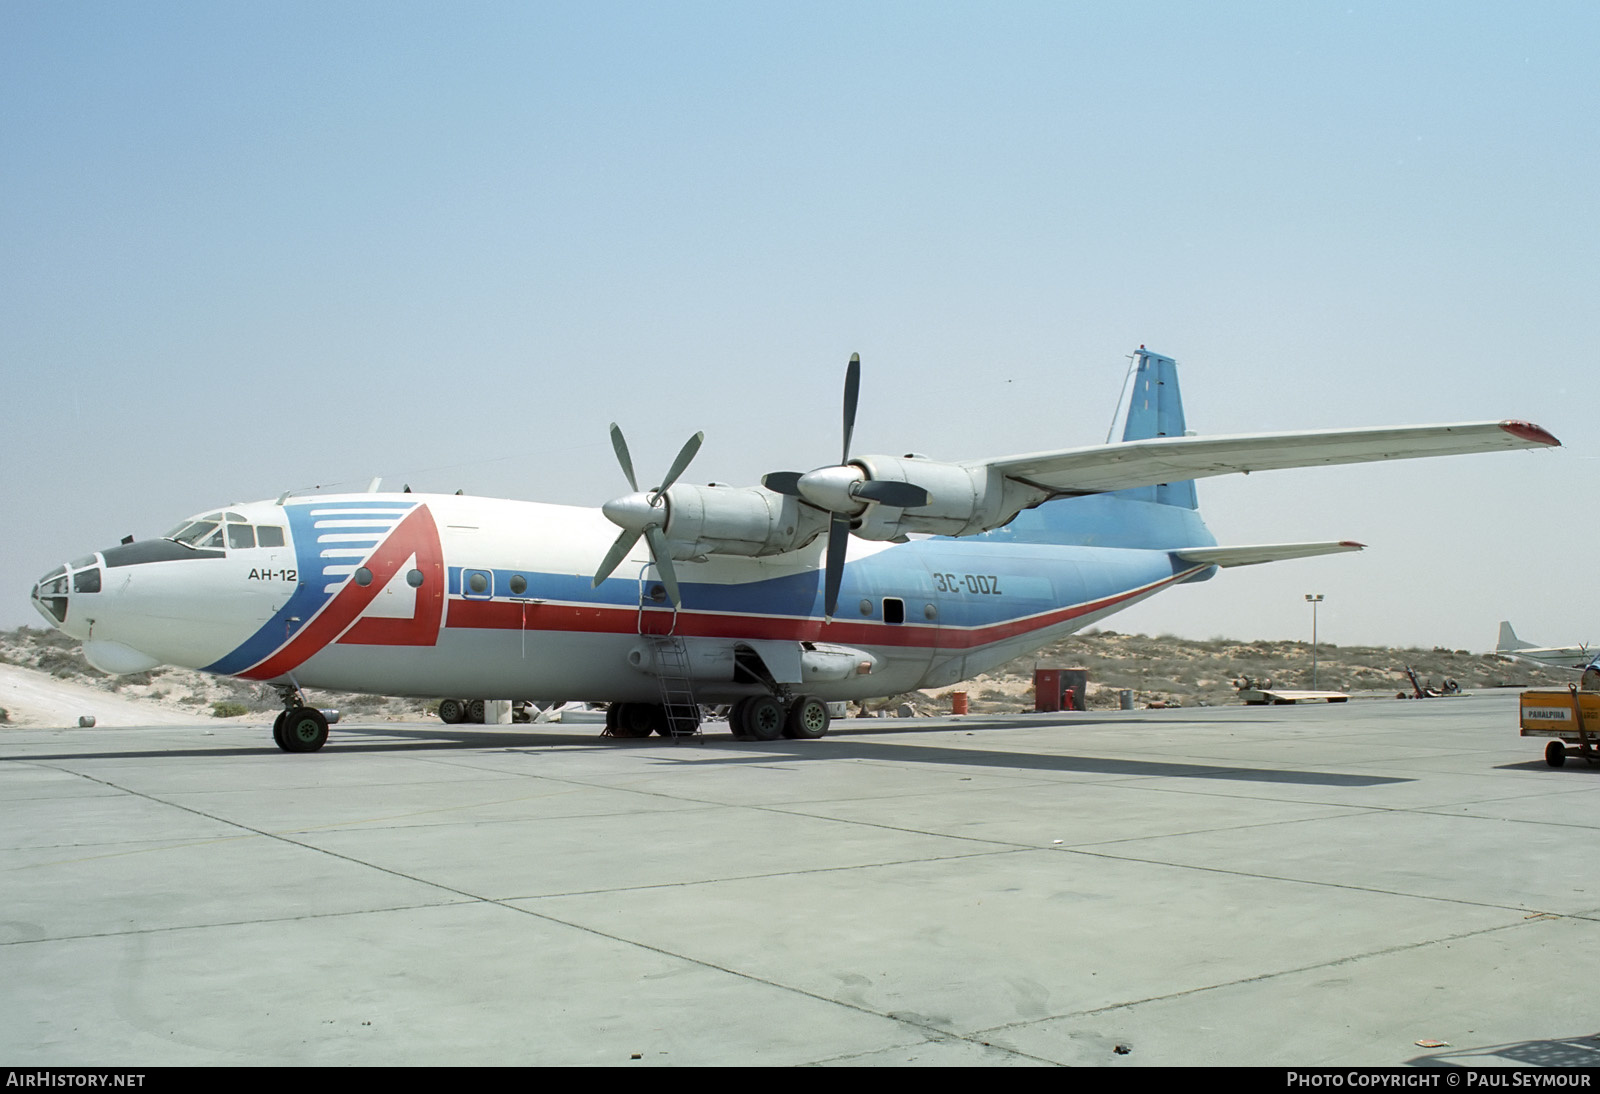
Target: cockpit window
(194, 533)
(228, 529)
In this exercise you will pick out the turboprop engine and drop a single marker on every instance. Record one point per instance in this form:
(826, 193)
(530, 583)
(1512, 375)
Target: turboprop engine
(955, 500)
(736, 520)
(882, 497)
(874, 497)
(690, 522)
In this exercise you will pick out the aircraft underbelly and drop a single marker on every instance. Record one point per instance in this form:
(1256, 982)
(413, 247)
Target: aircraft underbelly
(489, 664)
(567, 665)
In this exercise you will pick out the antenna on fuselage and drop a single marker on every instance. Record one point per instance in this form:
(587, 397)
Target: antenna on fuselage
(1127, 382)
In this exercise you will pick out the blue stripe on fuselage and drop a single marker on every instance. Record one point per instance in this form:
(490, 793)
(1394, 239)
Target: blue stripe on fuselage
(311, 593)
(968, 582)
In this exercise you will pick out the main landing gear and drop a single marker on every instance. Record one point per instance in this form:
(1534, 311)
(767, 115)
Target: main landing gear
(642, 719)
(758, 718)
(300, 728)
(768, 717)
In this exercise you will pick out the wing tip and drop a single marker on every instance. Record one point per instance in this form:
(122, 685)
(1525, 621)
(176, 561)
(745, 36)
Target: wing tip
(1352, 545)
(1531, 433)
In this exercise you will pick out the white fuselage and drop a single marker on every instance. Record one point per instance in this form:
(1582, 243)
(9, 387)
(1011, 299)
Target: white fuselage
(428, 595)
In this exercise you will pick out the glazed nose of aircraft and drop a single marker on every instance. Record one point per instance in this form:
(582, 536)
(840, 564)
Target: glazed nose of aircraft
(51, 592)
(50, 595)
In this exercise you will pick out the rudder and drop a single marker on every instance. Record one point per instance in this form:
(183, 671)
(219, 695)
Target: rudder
(1155, 409)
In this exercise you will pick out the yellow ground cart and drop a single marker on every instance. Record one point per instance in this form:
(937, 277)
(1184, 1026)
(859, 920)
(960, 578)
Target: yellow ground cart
(1570, 717)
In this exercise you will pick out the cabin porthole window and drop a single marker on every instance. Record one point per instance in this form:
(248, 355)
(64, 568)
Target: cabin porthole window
(363, 577)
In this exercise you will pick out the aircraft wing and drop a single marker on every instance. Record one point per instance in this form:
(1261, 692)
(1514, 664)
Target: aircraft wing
(1128, 464)
(1264, 552)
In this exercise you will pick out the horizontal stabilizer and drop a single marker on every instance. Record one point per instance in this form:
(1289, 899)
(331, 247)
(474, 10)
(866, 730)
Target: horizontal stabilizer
(1264, 552)
(1100, 468)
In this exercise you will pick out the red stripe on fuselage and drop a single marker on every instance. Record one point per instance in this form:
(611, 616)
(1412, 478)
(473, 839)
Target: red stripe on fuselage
(616, 619)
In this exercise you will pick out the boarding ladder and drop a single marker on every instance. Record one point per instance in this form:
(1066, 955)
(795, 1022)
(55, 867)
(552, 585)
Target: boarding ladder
(658, 625)
(671, 658)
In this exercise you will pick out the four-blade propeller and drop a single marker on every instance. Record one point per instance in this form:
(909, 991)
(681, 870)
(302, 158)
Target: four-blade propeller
(843, 490)
(644, 514)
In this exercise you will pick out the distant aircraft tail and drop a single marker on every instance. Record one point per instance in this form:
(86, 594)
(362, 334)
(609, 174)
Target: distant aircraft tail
(1163, 516)
(1509, 640)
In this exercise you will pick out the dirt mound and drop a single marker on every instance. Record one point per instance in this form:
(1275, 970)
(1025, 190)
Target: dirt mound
(1182, 672)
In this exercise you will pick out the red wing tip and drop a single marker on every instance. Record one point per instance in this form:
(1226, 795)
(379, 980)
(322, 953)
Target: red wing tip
(1530, 432)
(1352, 544)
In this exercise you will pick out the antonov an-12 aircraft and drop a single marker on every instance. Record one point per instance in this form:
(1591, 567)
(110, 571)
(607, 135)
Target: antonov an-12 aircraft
(865, 578)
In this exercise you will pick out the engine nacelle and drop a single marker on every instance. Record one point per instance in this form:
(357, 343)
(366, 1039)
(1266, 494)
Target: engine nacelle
(713, 660)
(962, 501)
(737, 520)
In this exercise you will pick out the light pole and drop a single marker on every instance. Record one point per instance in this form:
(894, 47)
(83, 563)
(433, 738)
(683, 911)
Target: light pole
(1313, 599)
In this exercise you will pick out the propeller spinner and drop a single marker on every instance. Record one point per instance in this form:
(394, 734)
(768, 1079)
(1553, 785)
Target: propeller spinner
(644, 513)
(843, 490)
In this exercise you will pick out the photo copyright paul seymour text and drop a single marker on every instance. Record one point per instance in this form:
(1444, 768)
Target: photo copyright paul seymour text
(1454, 1079)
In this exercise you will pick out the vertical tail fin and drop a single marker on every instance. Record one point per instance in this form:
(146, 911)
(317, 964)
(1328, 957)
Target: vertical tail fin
(1163, 516)
(1509, 640)
(1155, 409)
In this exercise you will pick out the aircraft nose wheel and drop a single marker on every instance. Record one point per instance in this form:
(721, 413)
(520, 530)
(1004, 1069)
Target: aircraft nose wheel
(302, 729)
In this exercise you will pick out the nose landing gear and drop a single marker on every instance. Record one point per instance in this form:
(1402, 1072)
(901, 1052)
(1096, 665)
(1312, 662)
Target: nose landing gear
(300, 728)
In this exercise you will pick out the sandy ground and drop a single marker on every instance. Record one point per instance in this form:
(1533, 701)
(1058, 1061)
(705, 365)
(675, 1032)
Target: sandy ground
(40, 701)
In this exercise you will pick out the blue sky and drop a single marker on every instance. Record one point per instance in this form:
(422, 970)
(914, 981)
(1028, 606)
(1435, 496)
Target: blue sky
(252, 247)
